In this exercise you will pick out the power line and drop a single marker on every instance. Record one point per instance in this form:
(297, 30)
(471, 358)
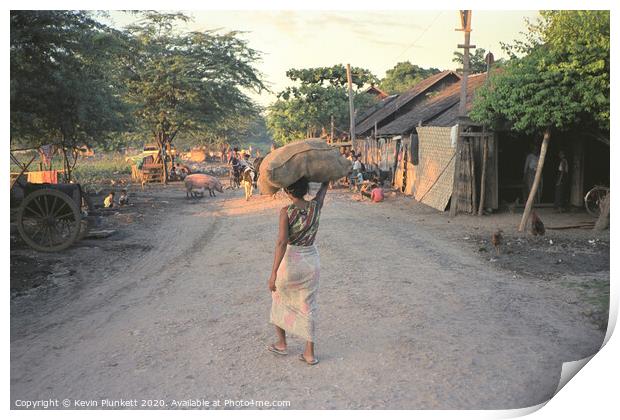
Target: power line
(421, 35)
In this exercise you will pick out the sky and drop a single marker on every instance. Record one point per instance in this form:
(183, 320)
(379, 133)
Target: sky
(375, 40)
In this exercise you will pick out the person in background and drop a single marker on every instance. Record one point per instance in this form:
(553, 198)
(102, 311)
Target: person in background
(357, 166)
(173, 173)
(123, 200)
(561, 183)
(108, 202)
(529, 173)
(366, 189)
(373, 191)
(376, 194)
(356, 171)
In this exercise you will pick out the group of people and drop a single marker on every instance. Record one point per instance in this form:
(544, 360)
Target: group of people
(178, 173)
(366, 183)
(123, 199)
(561, 179)
(243, 172)
(227, 153)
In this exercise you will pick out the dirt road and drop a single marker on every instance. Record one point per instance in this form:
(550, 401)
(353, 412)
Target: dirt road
(408, 319)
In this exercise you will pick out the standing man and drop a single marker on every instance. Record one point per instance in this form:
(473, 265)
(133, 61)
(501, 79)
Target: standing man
(529, 173)
(561, 183)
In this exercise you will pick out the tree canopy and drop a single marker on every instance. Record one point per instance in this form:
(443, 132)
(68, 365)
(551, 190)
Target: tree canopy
(403, 76)
(558, 78)
(477, 60)
(63, 85)
(306, 110)
(188, 81)
(335, 76)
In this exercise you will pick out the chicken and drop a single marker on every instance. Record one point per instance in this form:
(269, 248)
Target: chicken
(496, 240)
(536, 225)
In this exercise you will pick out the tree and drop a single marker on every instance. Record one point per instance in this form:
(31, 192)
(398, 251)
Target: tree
(306, 110)
(404, 76)
(335, 76)
(477, 60)
(63, 85)
(188, 81)
(562, 81)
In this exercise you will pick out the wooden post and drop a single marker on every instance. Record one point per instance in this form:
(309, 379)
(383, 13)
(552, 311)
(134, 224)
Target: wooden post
(577, 172)
(466, 28)
(351, 108)
(483, 176)
(485, 145)
(472, 170)
(457, 170)
(534, 189)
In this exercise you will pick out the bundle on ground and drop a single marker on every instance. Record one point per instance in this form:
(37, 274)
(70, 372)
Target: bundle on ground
(312, 158)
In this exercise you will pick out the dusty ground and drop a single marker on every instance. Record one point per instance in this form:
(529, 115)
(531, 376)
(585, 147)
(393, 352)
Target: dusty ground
(416, 310)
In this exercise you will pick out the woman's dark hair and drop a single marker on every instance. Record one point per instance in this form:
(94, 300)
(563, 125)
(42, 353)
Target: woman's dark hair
(299, 188)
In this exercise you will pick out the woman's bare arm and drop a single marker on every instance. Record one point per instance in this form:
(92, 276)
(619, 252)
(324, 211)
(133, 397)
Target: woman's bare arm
(320, 195)
(281, 243)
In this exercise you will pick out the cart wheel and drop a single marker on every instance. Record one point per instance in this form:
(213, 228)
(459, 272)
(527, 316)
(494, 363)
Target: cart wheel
(594, 199)
(49, 220)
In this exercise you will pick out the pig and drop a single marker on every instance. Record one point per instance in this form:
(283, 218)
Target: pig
(197, 184)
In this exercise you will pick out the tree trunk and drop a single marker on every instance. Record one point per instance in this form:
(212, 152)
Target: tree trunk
(483, 176)
(161, 142)
(539, 169)
(602, 222)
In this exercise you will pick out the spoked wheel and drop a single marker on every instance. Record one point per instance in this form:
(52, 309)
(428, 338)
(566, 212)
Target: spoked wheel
(594, 199)
(49, 220)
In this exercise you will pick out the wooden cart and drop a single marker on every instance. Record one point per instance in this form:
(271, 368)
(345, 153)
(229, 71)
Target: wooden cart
(48, 216)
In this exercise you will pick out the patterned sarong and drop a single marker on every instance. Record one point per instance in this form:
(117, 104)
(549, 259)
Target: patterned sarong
(294, 306)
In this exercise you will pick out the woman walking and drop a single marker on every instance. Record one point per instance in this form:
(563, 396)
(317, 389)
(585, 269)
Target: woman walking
(294, 281)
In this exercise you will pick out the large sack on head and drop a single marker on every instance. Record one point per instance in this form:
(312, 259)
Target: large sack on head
(197, 181)
(265, 187)
(312, 158)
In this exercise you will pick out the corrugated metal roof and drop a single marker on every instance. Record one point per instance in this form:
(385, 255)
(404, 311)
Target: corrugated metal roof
(402, 100)
(439, 110)
(374, 108)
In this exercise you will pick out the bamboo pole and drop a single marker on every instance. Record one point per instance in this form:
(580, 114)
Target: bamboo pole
(351, 105)
(539, 169)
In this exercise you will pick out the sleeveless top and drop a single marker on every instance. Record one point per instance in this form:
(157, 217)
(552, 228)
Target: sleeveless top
(303, 224)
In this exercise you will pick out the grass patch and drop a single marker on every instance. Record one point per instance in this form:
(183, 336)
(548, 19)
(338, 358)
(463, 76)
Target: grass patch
(99, 170)
(89, 170)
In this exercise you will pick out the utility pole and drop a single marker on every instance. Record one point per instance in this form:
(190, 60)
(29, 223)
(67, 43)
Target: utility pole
(465, 16)
(351, 109)
(466, 28)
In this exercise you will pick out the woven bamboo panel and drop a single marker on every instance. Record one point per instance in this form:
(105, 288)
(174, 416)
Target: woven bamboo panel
(435, 172)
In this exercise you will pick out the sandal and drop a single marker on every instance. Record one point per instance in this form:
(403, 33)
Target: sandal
(272, 348)
(311, 363)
